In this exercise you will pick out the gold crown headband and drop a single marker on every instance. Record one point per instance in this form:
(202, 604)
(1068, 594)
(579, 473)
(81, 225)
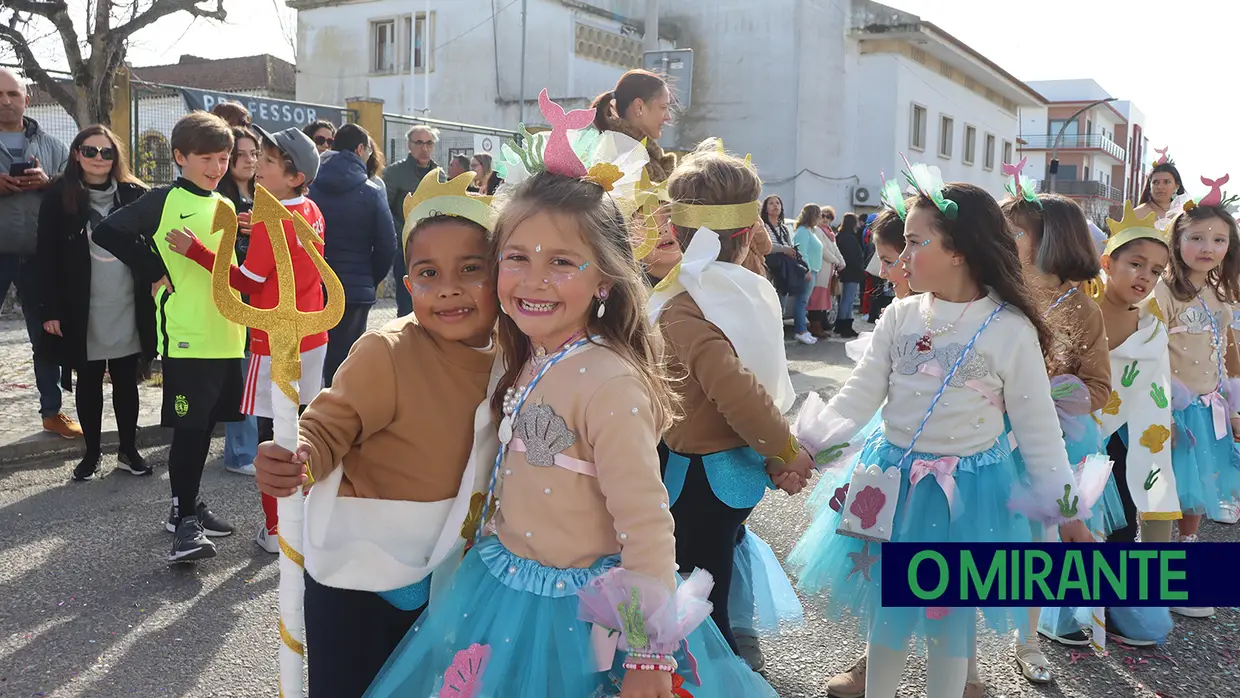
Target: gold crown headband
(716, 217)
(1130, 228)
(450, 198)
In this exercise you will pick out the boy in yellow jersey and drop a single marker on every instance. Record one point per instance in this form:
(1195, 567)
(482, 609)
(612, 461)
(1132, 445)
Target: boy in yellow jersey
(200, 348)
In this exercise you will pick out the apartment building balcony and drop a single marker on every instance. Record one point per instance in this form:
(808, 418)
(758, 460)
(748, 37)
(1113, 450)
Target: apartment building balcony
(1084, 190)
(1094, 141)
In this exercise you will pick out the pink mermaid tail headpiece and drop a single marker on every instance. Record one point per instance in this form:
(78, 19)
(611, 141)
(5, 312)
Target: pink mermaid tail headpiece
(1162, 156)
(559, 157)
(1215, 197)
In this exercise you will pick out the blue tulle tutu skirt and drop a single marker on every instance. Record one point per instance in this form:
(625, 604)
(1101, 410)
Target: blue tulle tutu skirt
(761, 600)
(525, 613)
(1207, 470)
(984, 483)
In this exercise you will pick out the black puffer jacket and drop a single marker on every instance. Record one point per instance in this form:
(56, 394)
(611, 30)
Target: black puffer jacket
(359, 240)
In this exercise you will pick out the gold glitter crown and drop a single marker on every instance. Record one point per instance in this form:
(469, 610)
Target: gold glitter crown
(1130, 228)
(451, 198)
(717, 217)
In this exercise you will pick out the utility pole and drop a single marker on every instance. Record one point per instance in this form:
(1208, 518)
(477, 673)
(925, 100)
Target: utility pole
(1055, 148)
(652, 25)
(524, 15)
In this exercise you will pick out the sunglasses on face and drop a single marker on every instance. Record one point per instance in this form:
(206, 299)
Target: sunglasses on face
(90, 152)
(323, 140)
(422, 142)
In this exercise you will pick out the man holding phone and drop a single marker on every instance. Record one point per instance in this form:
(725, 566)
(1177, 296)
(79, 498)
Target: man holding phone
(29, 157)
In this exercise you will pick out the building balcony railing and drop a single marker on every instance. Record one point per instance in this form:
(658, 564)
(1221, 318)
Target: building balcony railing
(1097, 190)
(1095, 141)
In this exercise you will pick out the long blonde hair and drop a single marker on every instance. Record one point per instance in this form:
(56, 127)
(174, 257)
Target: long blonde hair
(625, 328)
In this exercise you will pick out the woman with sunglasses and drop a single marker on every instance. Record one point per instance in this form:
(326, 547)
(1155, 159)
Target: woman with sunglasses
(98, 316)
(323, 133)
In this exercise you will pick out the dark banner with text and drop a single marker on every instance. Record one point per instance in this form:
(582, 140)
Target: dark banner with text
(271, 114)
(1057, 574)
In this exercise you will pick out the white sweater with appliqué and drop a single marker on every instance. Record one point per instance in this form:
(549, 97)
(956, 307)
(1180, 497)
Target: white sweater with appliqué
(1002, 372)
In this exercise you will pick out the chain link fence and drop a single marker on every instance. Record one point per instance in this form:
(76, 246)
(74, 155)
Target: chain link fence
(454, 138)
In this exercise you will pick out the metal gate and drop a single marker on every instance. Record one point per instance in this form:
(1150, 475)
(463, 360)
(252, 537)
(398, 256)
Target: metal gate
(154, 110)
(454, 138)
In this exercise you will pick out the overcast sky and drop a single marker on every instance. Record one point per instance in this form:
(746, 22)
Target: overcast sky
(1163, 56)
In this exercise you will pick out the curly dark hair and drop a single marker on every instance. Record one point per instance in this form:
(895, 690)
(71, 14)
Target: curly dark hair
(980, 233)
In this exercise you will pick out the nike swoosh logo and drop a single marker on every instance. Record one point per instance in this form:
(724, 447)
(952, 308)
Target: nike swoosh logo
(187, 215)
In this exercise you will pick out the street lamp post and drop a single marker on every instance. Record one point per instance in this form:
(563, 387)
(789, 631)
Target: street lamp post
(1059, 137)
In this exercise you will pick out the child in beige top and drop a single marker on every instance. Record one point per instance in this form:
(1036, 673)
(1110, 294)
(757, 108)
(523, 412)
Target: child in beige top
(577, 593)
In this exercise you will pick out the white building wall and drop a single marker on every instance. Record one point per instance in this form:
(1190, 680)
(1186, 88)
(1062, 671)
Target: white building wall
(943, 97)
(462, 84)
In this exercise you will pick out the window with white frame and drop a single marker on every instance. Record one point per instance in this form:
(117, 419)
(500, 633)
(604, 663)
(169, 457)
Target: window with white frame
(970, 144)
(400, 44)
(947, 128)
(917, 128)
(383, 46)
(1007, 152)
(988, 157)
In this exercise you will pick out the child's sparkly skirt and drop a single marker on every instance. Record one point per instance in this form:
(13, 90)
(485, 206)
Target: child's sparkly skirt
(1207, 469)
(825, 561)
(525, 615)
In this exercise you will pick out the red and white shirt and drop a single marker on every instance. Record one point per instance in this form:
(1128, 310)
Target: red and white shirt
(257, 277)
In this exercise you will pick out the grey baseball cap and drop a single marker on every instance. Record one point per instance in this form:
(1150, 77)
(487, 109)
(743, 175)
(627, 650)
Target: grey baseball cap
(297, 146)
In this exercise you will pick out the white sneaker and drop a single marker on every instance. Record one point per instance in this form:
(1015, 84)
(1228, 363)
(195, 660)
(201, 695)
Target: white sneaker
(247, 469)
(806, 338)
(1205, 612)
(1230, 513)
(267, 541)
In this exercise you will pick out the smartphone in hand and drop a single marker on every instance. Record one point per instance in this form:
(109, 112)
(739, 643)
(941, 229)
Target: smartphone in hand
(18, 169)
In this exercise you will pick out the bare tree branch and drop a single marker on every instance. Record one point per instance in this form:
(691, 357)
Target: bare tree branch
(163, 8)
(30, 66)
(43, 9)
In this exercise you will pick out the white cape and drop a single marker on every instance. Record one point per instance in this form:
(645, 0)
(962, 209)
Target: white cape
(743, 305)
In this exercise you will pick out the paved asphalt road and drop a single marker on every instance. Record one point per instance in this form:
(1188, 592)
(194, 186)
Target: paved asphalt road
(89, 608)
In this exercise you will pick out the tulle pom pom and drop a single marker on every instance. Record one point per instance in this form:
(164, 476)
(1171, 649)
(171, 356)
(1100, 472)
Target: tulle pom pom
(1181, 396)
(823, 432)
(647, 616)
(1075, 502)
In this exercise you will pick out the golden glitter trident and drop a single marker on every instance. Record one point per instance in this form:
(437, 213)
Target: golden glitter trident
(284, 324)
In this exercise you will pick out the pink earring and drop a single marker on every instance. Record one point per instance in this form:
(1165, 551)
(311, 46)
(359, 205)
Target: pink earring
(602, 302)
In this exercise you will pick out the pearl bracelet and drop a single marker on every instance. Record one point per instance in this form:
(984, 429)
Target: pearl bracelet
(631, 666)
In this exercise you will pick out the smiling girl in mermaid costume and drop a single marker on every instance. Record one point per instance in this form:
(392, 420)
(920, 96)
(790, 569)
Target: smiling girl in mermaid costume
(954, 474)
(576, 592)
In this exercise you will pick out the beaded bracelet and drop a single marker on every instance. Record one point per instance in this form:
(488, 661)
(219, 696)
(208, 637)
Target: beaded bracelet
(631, 666)
(635, 654)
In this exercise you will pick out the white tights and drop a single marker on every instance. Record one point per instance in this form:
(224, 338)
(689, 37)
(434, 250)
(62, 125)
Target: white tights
(945, 675)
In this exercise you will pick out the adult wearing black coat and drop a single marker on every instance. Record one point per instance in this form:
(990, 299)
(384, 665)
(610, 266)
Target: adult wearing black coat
(359, 240)
(98, 315)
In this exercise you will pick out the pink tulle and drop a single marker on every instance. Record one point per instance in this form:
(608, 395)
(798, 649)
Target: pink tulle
(1091, 480)
(827, 435)
(669, 618)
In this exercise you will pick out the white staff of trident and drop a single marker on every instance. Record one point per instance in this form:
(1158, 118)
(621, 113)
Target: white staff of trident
(285, 326)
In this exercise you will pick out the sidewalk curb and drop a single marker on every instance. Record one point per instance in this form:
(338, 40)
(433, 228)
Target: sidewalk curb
(44, 446)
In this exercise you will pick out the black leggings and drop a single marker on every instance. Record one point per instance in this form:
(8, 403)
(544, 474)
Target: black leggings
(89, 392)
(186, 458)
(349, 636)
(1119, 454)
(707, 531)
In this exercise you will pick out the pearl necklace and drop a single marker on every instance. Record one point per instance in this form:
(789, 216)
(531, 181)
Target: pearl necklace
(540, 354)
(926, 341)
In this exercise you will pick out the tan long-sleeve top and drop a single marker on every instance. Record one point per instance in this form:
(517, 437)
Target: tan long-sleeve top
(399, 414)
(1194, 359)
(1090, 357)
(592, 407)
(724, 405)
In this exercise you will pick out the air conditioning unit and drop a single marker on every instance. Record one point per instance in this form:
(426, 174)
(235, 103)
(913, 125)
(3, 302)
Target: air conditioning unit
(866, 195)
